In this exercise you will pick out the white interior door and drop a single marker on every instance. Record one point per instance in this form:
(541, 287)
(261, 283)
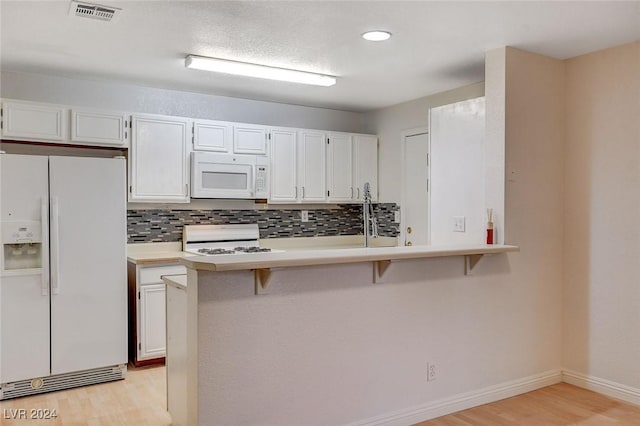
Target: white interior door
(416, 189)
(88, 267)
(24, 295)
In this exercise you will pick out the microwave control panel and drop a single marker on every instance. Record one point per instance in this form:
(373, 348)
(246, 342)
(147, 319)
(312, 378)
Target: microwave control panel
(261, 182)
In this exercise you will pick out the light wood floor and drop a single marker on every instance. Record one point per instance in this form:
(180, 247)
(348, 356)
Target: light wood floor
(140, 400)
(556, 405)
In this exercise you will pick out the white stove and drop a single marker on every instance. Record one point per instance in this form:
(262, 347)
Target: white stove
(212, 240)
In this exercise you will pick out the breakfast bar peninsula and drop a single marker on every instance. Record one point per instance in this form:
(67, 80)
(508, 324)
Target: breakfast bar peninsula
(281, 338)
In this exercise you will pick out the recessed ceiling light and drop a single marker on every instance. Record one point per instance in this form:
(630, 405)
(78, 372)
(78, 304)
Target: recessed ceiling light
(259, 71)
(377, 35)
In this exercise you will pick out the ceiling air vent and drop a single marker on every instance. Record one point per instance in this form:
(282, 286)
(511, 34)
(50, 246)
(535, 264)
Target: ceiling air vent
(94, 11)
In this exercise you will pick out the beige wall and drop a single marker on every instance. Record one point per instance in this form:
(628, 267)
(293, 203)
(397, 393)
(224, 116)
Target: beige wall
(389, 123)
(602, 216)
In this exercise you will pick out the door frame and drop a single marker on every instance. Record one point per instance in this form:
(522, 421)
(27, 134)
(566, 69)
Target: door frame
(424, 130)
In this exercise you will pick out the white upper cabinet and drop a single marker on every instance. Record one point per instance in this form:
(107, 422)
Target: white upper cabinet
(99, 127)
(365, 165)
(249, 139)
(209, 135)
(339, 164)
(224, 136)
(284, 186)
(312, 166)
(159, 159)
(34, 121)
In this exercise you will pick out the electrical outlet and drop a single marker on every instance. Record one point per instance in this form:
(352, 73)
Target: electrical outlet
(431, 372)
(304, 215)
(458, 224)
(396, 216)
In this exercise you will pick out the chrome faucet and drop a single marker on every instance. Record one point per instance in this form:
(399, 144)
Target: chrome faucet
(370, 220)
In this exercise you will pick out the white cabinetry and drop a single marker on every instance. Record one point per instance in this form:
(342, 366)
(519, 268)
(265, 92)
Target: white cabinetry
(339, 167)
(249, 139)
(34, 121)
(152, 314)
(365, 165)
(211, 135)
(284, 173)
(159, 159)
(312, 166)
(177, 356)
(224, 136)
(99, 127)
(147, 312)
(298, 166)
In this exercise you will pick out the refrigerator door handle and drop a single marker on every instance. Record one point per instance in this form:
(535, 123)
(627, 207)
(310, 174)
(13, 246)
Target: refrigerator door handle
(44, 216)
(55, 247)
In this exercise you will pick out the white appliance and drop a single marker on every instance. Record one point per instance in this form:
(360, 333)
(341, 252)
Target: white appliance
(208, 240)
(63, 300)
(242, 176)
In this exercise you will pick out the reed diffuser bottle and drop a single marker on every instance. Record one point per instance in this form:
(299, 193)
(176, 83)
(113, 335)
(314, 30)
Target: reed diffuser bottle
(489, 226)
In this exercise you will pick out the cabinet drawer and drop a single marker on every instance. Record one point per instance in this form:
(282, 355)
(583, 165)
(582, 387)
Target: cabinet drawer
(153, 274)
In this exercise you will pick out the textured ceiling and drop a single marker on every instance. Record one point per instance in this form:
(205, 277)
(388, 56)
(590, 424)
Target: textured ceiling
(436, 46)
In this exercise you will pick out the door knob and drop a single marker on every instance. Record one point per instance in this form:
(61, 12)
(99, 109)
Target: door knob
(409, 229)
(408, 243)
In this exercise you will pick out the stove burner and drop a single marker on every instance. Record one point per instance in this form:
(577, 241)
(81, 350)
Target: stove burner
(215, 251)
(252, 249)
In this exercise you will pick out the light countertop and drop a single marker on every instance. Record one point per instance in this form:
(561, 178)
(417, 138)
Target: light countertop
(150, 253)
(336, 256)
(159, 253)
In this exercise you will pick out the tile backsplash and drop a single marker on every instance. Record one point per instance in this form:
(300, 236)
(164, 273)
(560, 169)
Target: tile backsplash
(147, 226)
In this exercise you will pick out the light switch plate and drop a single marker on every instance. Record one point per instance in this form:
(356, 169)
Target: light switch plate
(304, 215)
(458, 224)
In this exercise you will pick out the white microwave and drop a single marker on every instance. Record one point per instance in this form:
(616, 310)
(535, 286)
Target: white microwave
(240, 176)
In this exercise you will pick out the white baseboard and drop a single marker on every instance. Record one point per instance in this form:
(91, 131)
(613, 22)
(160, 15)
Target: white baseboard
(605, 387)
(463, 401)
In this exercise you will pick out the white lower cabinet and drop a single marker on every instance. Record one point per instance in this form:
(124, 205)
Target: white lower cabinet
(151, 308)
(147, 311)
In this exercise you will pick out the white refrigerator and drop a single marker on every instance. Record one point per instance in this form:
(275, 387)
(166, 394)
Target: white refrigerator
(63, 301)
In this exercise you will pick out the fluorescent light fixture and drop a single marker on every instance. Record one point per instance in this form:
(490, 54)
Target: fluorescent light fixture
(377, 35)
(259, 71)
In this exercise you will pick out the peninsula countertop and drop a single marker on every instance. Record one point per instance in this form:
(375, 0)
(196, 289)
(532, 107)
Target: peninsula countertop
(336, 256)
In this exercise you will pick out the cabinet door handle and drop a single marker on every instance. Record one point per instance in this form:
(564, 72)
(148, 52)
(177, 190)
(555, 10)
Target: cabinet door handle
(352, 192)
(303, 192)
(358, 193)
(296, 191)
